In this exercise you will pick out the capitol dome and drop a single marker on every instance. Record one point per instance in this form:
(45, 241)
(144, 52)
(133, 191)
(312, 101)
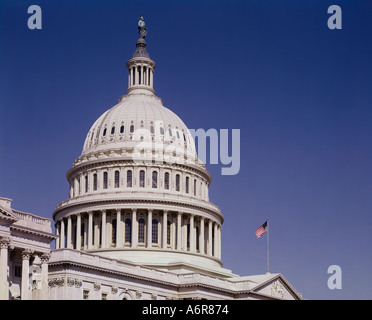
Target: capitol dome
(138, 191)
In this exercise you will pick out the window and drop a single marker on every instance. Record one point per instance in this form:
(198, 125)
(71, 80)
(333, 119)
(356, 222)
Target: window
(104, 296)
(122, 129)
(104, 131)
(177, 182)
(166, 181)
(168, 232)
(129, 178)
(105, 180)
(131, 128)
(142, 179)
(152, 130)
(197, 237)
(113, 238)
(141, 230)
(162, 131)
(86, 294)
(139, 75)
(187, 184)
(178, 135)
(154, 179)
(154, 231)
(188, 236)
(194, 187)
(95, 181)
(170, 132)
(128, 230)
(18, 271)
(86, 184)
(117, 179)
(112, 130)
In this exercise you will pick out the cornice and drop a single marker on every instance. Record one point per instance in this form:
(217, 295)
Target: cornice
(129, 202)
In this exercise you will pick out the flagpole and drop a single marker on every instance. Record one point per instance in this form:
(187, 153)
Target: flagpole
(268, 230)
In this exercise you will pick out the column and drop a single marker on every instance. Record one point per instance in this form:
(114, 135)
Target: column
(90, 227)
(118, 229)
(103, 228)
(134, 228)
(151, 78)
(179, 222)
(149, 228)
(62, 238)
(78, 231)
(26, 255)
(215, 244)
(44, 276)
(165, 225)
(4, 285)
(219, 242)
(57, 227)
(69, 242)
(192, 234)
(209, 248)
(184, 235)
(201, 236)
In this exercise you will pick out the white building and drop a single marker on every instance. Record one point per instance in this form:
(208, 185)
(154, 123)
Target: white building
(138, 223)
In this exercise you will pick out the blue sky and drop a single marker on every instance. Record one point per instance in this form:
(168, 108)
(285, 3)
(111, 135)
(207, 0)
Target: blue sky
(299, 92)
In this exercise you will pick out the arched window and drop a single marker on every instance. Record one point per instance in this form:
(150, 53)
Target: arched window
(194, 187)
(178, 135)
(142, 179)
(113, 238)
(170, 132)
(104, 131)
(95, 181)
(154, 231)
(141, 230)
(154, 179)
(129, 178)
(166, 180)
(162, 131)
(86, 183)
(152, 130)
(177, 182)
(117, 179)
(128, 230)
(168, 232)
(187, 184)
(131, 128)
(105, 180)
(113, 130)
(122, 129)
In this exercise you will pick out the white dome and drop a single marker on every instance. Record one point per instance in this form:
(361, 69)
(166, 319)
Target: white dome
(139, 121)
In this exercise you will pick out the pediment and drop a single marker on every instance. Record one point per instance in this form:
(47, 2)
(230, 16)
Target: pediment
(277, 287)
(7, 214)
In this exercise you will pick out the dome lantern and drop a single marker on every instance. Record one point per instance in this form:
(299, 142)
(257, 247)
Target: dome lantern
(141, 67)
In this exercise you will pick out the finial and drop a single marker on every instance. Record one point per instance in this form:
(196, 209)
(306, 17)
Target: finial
(141, 27)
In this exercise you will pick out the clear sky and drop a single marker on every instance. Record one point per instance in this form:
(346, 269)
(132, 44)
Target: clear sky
(300, 93)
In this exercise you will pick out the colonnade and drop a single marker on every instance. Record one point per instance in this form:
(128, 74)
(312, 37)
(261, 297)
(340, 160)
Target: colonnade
(6, 251)
(139, 228)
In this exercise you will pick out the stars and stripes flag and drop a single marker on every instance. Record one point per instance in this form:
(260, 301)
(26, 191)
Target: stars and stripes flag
(261, 230)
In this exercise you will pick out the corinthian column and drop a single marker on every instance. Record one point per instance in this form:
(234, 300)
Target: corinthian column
(165, 229)
(44, 276)
(149, 228)
(4, 285)
(26, 255)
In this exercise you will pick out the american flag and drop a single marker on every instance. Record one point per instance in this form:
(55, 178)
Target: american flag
(261, 230)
